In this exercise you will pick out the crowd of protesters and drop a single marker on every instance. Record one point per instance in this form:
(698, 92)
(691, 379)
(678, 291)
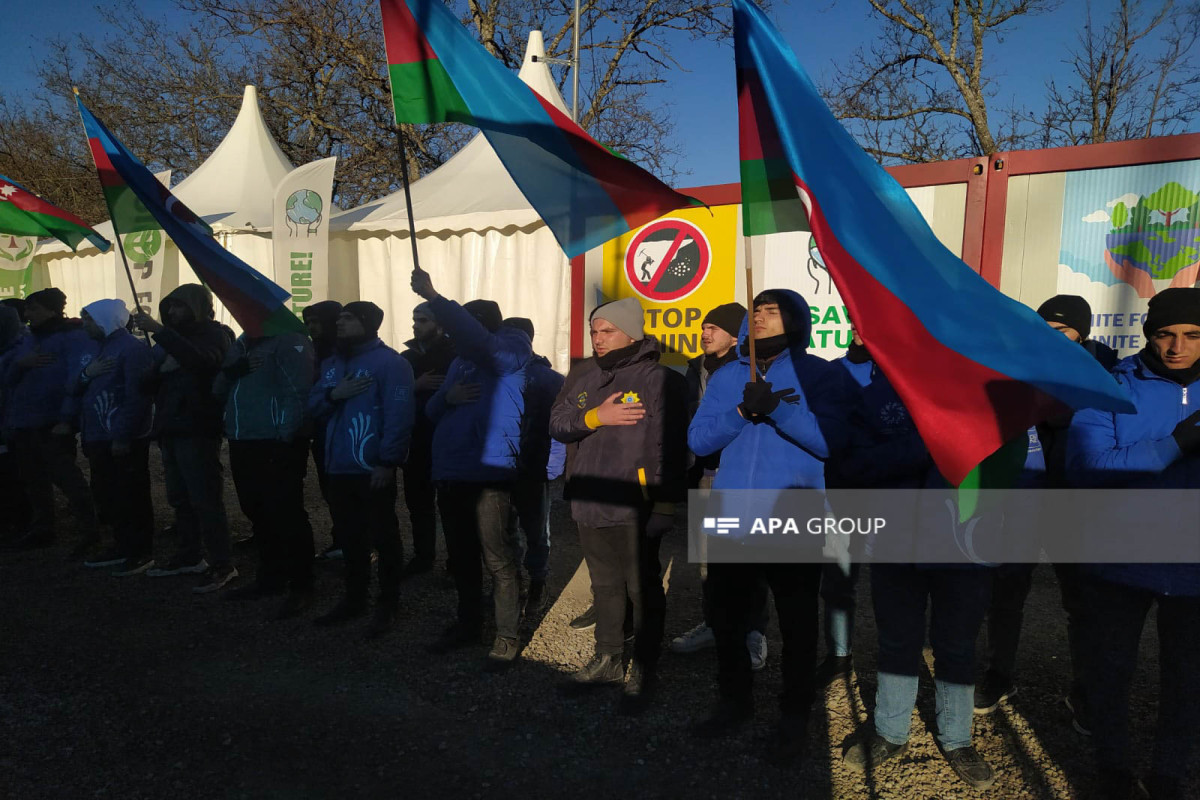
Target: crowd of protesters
(478, 424)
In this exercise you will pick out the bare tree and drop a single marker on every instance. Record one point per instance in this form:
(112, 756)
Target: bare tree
(921, 92)
(1118, 90)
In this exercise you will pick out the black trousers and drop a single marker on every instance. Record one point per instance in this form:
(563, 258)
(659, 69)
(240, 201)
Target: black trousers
(12, 495)
(420, 496)
(269, 478)
(736, 601)
(367, 520)
(318, 457)
(46, 461)
(624, 565)
(121, 491)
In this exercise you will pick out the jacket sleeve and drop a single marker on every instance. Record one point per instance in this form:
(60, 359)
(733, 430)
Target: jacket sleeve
(234, 363)
(567, 422)
(76, 350)
(1095, 459)
(396, 395)
(557, 463)
(717, 421)
(131, 417)
(294, 355)
(500, 353)
(13, 372)
(670, 452)
(319, 404)
(205, 351)
(819, 423)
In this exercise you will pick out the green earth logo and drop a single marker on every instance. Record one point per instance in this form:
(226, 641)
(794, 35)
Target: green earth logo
(1157, 240)
(143, 245)
(304, 207)
(16, 249)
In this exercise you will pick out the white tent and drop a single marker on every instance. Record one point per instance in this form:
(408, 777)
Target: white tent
(477, 236)
(232, 190)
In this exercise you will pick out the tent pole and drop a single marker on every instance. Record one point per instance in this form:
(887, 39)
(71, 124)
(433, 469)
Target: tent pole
(412, 225)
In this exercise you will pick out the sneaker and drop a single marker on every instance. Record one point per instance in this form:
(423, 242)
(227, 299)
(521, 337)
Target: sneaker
(585, 621)
(971, 767)
(726, 718)
(456, 637)
(503, 653)
(331, 553)
(834, 669)
(382, 620)
(133, 566)
(106, 558)
(756, 643)
(698, 638)
(872, 752)
(344, 611)
(603, 669)
(1080, 720)
(991, 693)
(218, 577)
(295, 604)
(179, 566)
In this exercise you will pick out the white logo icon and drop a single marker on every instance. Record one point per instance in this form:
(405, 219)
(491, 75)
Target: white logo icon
(722, 525)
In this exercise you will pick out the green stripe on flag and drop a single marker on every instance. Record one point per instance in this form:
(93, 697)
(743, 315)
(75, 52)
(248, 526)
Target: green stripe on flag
(770, 203)
(423, 92)
(1000, 470)
(128, 214)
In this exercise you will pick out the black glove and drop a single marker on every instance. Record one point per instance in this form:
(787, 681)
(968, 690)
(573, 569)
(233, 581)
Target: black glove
(757, 398)
(1187, 433)
(658, 524)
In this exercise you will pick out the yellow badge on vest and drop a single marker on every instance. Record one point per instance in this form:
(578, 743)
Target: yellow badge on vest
(630, 397)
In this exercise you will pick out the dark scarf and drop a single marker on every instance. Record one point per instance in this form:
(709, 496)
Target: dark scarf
(347, 346)
(613, 358)
(713, 363)
(857, 354)
(1155, 364)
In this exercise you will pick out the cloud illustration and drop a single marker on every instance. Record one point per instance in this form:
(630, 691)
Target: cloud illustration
(1097, 216)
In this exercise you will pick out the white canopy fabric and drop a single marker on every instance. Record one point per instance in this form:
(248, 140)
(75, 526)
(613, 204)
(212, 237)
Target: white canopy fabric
(477, 236)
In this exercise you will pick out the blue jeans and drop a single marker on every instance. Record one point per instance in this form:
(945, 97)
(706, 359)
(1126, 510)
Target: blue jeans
(839, 593)
(1114, 615)
(959, 598)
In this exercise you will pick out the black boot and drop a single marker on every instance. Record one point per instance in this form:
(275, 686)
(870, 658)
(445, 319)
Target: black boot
(728, 716)
(604, 668)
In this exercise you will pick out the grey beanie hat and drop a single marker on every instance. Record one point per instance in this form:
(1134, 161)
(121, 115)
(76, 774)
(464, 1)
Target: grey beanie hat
(626, 315)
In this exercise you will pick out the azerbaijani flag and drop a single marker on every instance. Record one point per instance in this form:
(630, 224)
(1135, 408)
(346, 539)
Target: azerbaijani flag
(257, 304)
(23, 213)
(975, 368)
(585, 194)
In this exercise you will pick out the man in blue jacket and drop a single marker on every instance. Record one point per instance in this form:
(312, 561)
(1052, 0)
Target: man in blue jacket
(42, 415)
(265, 383)
(476, 443)
(363, 401)
(542, 460)
(115, 429)
(773, 433)
(1156, 447)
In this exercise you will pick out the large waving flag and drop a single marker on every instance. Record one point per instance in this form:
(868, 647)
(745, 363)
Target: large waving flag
(975, 368)
(257, 304)
(585, 194)
(23, 213)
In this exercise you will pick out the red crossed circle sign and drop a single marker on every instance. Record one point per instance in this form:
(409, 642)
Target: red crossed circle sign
(667, 260)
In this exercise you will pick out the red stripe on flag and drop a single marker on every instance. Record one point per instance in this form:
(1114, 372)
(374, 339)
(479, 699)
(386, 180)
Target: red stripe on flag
(758, 138)
(963, 419)
(28, 201)
(402, 36)
(109, 178)
(611, 172)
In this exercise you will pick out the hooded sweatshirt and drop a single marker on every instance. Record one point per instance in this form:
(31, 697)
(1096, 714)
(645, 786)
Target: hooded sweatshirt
(186, 361)
(114, 405)
(268, 403)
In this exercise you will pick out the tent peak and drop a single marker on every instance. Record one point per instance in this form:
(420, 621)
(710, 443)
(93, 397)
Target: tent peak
(536, 73)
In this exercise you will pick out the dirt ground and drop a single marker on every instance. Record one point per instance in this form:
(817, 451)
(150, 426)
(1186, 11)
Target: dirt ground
(136, 688)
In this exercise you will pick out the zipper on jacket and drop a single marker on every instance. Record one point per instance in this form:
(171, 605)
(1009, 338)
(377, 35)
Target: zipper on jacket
(1185, 395)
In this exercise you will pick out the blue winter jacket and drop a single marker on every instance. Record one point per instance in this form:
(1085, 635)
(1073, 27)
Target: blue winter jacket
(372, 428)
(479, 442)
(40, 397)
(1137, 450)
(266, 404)
(541, 457)
(790, 449)
(115, 405)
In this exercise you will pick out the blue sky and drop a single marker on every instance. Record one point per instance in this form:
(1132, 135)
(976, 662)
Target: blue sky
(701, 99)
